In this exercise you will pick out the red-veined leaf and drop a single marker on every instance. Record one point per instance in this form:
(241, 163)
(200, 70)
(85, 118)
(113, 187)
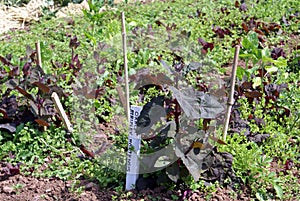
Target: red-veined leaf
(87, 152)
(42, 122)
(25, 93)
(253, 94)
(217, 140)
(237, 4)
(259, 31)
(245, 27)
(42, 87)
(247, 85)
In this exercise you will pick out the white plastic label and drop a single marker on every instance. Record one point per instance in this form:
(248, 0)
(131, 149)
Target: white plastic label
(134, 144)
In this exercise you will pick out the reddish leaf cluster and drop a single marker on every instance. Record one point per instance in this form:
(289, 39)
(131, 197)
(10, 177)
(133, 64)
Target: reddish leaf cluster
(261, 28)
(242, 6)
(221, 32)
(205, 46)
(31, 108)
(11, 170)
(270, 91)
(277, 52)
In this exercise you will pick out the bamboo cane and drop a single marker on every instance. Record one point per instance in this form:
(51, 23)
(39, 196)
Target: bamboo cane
(125, 66)
(230, 101)
(62, 112)
(38, 53)
(39, 61)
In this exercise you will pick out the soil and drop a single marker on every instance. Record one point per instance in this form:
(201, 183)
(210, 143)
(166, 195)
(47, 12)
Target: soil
(25, 188)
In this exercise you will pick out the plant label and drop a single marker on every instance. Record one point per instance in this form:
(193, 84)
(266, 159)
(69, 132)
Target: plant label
(134, 144)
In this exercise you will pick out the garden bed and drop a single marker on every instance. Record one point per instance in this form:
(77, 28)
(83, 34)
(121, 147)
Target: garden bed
(180, 55)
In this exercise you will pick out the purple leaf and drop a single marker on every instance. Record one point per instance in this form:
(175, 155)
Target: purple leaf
(205, 45)
(29, 51)
(74, 43)
(26, 68)
(243, 7)
(197, 104)
(5, 61)
(145, 77)
(13, 170)
(277, 52)
(259, 137)
(14, 72)
(9, 105)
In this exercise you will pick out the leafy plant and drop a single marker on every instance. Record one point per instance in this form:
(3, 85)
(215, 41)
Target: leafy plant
(180, 131)
(251, 166)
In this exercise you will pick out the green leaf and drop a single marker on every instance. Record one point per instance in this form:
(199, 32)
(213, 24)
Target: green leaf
(246, 44)
(259, 196)
(258, 53)
(256, 82)
(271, 69)
(265, 53)
(268, 160)
(241, 72)
(253, 39)
(246, 56)
(267, 59)
(272, 174)
(280, 62)
(279, 191)
(92, 38)
(6, 68)
(132, 23)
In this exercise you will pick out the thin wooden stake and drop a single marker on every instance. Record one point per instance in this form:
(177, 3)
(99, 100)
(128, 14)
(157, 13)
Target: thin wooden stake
(61, 112)
(125, 66)
(232, 85)
(67, 123)
(38, 53)
(39, 61)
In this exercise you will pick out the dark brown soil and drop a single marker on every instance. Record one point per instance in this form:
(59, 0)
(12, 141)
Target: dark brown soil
(23, 188)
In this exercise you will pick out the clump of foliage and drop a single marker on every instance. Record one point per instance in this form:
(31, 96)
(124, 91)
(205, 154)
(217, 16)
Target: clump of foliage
(262, 118)
(182, 142)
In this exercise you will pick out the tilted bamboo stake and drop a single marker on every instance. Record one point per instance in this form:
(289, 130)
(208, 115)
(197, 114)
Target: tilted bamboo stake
(232, 85)
(61, 112)
(67, 122)
(125, 67)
